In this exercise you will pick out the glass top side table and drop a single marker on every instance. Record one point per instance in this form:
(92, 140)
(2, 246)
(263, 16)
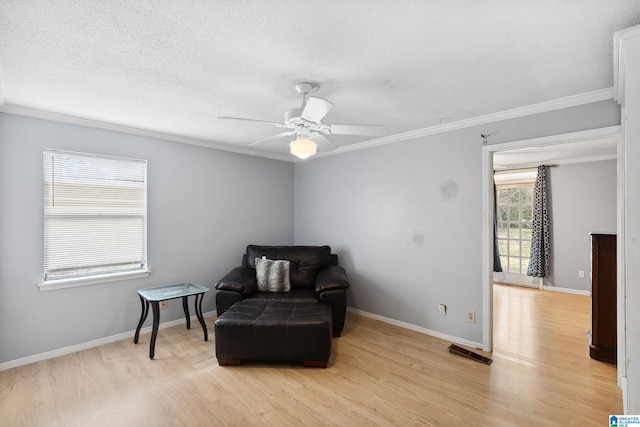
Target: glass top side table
(153, 296)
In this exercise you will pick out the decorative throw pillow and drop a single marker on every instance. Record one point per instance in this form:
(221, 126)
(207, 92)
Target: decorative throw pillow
(272, 275)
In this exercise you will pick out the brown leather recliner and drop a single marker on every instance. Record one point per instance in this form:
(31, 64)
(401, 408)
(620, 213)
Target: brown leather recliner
(314, 274)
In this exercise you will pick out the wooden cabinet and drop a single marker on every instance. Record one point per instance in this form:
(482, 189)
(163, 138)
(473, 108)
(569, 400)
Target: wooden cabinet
(602, 345)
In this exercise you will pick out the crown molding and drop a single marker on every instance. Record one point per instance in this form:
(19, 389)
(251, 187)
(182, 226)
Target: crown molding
(581, 135)
(607, 133)
(542, 107)
(620, 41)
(96, 124)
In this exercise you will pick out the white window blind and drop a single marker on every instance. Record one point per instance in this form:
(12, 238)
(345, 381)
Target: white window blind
(94, 214)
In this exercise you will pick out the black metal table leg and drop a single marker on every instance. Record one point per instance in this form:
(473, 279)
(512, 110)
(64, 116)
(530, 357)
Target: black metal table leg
(154, 332)
(143, 317)
(156, 295)
(198, 307)
(185, 307)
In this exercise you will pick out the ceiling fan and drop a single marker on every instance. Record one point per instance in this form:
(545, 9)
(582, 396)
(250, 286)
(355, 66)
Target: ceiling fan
(307, 129)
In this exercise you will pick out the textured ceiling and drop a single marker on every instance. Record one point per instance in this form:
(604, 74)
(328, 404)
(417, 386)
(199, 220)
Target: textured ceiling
(174, 66)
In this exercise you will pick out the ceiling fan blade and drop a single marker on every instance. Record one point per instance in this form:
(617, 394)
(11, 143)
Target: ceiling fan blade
(249, 120)
(369, 130)
(316, 109)
(323, 143)
(280, 135)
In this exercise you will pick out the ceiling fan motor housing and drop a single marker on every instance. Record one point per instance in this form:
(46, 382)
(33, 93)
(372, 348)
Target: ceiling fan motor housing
(292, 117)
(304, 88)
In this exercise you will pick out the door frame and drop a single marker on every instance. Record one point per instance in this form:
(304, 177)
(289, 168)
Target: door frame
(487, 206)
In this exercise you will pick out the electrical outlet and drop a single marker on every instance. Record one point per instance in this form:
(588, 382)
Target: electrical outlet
(471, 316)
(580, 273)
(164, 304)
(442, 309)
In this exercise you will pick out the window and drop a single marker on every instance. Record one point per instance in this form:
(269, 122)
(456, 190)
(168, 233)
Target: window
(94, 216)
(515, 215)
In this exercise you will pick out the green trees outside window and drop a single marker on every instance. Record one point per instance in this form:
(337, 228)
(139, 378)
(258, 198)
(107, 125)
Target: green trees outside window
(515, 207)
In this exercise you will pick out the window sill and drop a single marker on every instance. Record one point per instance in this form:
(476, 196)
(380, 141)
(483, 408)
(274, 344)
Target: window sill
(50, 285)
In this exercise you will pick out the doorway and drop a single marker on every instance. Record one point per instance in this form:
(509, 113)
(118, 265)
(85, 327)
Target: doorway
(488, 197)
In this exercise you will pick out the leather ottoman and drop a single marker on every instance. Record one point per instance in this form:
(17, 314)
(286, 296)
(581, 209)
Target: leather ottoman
(274, 331)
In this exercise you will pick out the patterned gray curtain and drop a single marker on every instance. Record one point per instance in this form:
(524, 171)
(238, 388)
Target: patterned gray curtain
(539, 262)
(497, 265)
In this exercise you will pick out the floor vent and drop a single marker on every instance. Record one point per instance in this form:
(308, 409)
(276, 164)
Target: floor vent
(469, 354)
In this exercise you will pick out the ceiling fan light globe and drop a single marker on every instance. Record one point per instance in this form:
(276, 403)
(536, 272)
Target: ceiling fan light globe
(303, 148)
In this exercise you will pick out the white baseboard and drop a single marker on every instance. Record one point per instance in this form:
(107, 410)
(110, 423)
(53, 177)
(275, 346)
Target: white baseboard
(126, 335)
(416, 328)
(623, 388)
(95, 343)
(520, 285)
(566, 290)
(549, 288)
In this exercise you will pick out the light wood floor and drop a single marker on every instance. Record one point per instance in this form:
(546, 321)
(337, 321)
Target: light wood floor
(378, 374)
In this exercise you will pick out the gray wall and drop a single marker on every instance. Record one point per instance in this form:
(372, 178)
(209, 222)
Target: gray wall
(406, 219)
(204, 206)
(583, 199)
